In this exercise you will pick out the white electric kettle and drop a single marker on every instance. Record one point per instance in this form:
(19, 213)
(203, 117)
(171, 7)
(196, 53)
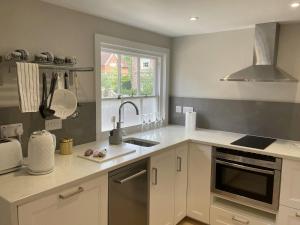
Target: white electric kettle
(41, 150)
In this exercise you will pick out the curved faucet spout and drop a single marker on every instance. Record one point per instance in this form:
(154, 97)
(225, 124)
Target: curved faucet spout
(120, 110)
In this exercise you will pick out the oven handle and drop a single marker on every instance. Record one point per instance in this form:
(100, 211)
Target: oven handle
(245, 167)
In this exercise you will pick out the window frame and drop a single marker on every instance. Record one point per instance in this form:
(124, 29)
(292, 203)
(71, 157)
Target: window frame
(136, 48)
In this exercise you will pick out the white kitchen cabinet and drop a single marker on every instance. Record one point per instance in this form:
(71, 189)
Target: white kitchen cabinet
(224, 212)
(199, 180)
(288, 216)
(290, 184)
(83, 204)
(181, 172)
(162, 189)
(221, 216)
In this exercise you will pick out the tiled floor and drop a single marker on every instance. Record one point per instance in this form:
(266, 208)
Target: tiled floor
(190, 222)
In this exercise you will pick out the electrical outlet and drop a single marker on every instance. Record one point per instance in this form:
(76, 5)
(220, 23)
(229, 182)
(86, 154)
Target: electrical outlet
(179, 109)
(11, 130)
(54, 124)
(187, 109)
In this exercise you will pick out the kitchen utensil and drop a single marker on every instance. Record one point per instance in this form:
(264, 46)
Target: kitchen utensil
(59, 59)
(47, 111)
(66, 78)
(41, 148)
(66, 146)
(44, 96)
(64, 101)
(10, 155)
(49, 55)
(77, 112)
(72, 60)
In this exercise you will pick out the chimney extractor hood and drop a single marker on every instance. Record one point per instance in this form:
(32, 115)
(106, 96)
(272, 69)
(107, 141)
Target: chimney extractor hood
(264, 68)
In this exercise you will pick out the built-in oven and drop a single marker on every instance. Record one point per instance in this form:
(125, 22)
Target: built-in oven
(247, 177)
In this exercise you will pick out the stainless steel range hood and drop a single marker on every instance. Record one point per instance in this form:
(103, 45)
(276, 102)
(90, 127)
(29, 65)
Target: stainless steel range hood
(264, 67)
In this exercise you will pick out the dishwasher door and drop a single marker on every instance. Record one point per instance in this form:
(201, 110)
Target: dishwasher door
(128, 195)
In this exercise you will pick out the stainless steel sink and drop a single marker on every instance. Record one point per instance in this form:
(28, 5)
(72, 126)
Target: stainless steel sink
(140, 142)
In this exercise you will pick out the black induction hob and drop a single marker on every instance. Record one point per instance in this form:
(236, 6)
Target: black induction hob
(254, 142)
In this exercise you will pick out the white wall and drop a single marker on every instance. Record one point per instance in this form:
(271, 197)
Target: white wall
(39, 26)
(199, 61)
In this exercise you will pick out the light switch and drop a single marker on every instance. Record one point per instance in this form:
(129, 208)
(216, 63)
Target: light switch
(187, 109)
(179, 109)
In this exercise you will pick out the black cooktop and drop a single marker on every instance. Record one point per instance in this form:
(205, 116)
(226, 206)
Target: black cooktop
(254, 142)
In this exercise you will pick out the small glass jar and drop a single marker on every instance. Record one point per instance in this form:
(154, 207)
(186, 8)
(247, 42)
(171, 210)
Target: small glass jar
(66, 146)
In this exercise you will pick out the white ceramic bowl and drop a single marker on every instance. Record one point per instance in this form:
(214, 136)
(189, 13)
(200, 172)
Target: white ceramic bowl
(64, 103)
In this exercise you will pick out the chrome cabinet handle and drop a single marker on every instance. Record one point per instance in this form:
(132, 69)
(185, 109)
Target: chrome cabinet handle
(131, 177)
(154, 172)
(244, 221)
(297, 214)
(179, 160)
(78, 191)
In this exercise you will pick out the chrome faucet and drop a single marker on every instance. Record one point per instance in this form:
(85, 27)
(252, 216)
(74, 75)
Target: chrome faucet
(120, 112)
(115, 137)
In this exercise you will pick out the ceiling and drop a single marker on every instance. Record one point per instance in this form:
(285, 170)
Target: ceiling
(171, 17)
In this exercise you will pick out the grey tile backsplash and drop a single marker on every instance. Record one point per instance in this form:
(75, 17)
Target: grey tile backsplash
(262, 118)
(82, 129)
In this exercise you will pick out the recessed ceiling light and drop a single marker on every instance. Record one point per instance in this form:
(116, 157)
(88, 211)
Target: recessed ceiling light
(295, 5)
(194, 18)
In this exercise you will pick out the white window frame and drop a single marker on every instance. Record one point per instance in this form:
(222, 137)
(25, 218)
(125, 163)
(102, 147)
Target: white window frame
(122, 45)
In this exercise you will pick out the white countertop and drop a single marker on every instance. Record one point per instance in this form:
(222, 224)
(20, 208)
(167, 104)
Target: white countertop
(19, 187)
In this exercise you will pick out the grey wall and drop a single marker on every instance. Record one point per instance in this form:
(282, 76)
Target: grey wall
(37, 27)
(199, 61)
(262, 118)
(82, 129)
(267, 109)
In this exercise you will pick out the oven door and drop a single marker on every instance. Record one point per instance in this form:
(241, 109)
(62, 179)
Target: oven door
(256, 186)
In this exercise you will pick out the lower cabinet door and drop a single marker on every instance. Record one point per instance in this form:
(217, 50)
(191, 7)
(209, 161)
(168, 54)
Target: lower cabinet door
(199, 179)
(288, 216)
(84, 204)
(162, 189)
(181, 171)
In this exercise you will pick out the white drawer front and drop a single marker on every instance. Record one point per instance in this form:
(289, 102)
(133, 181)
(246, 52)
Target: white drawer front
(225, 217)
(85, 203)
(288, 216)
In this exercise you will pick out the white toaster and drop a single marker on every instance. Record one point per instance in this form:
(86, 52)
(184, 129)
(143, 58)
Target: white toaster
(11, 156)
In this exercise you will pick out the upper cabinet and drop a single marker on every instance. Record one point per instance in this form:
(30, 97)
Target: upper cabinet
(85, 203)
(290, 184)
(199, 180)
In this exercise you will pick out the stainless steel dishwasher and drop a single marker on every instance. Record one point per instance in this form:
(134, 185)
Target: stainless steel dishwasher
(128, 195)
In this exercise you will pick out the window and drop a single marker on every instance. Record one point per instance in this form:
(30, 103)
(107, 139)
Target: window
(128, 76)
(129, 71)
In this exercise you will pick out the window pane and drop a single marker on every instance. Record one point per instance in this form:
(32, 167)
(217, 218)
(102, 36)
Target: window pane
(128, 75)
(109, 108)
(147, 76)
(109, 74)
(150, 105)
(129, 114)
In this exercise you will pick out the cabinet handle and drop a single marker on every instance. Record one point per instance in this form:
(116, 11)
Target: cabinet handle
(132, 177)
(78, 191)
(179, 160)
(154, 173)
(297, 214)
(244, 221)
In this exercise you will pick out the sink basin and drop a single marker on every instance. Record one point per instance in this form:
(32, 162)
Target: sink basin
(140, 142)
